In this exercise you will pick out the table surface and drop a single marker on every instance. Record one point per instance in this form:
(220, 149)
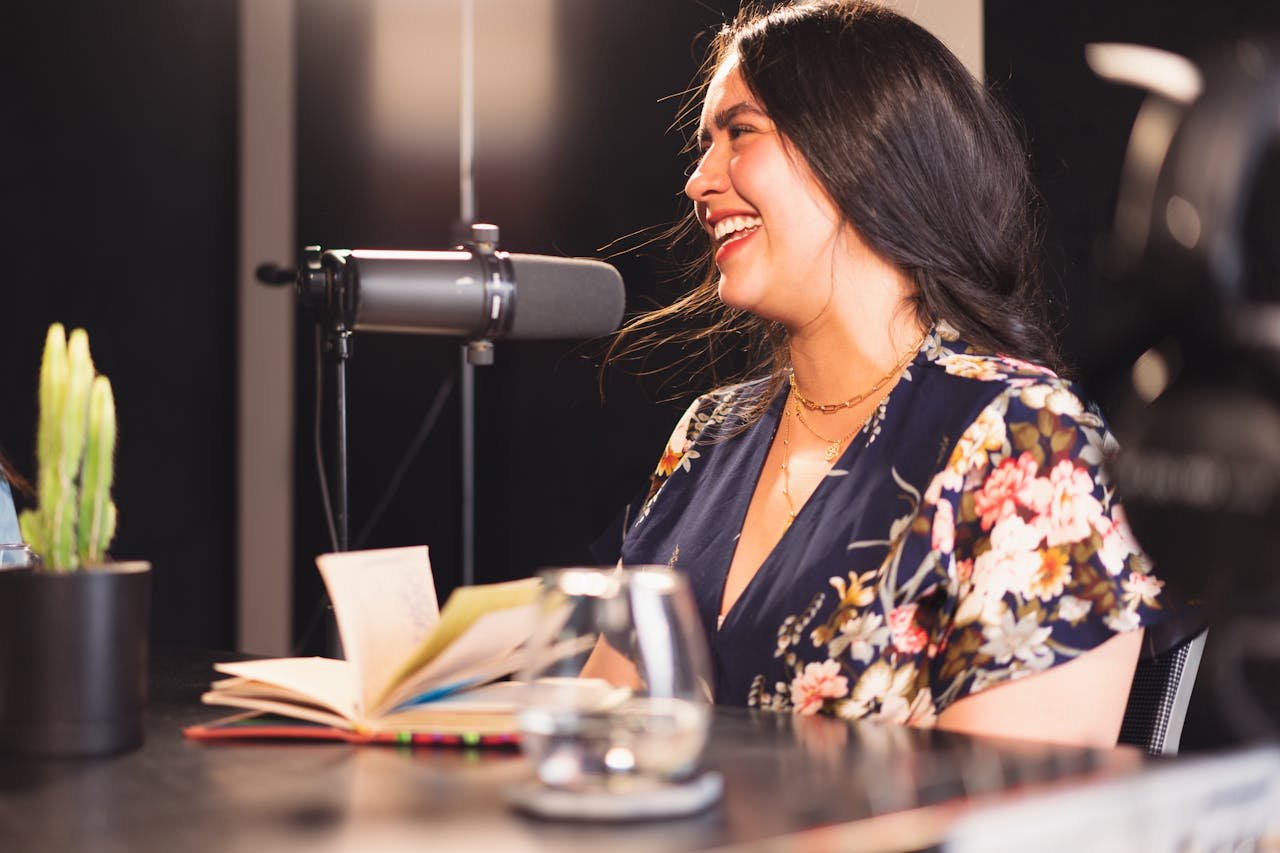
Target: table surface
(783, 775)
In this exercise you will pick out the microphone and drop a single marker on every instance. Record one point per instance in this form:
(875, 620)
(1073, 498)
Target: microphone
(474, 292)
(468, 295)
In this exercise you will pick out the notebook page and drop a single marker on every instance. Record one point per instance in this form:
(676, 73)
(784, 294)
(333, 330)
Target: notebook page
(385, 604)
(322, 681)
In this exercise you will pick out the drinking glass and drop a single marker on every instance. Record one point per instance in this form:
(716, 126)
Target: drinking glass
(646, 725)
(16, 555)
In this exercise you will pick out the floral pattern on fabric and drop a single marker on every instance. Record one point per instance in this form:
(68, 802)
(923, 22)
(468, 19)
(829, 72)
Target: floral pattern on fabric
(699, 423)
(1006, 556)
(1022, 533)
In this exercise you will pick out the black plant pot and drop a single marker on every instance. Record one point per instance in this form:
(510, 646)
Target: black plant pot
(73, 659)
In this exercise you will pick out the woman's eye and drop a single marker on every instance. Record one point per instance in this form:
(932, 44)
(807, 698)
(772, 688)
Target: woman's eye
(736, 130)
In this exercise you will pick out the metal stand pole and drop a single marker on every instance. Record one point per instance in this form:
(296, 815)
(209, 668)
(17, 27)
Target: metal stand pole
(467, 215)
(341, 342)
(467, 399)
(339, 345)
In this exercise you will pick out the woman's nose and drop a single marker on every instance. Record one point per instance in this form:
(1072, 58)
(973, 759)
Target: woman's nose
(708, 177)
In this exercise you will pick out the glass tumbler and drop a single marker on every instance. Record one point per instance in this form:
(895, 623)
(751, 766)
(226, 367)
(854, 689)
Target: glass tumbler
(16, 555)
(644, 723)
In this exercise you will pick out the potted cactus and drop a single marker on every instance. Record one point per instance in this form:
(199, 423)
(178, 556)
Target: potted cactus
(73, 626)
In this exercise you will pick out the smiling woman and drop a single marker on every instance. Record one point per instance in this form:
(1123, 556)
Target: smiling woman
(771, 223)
(903, 512)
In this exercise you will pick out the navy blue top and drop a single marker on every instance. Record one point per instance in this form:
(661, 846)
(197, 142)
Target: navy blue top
(967, 536)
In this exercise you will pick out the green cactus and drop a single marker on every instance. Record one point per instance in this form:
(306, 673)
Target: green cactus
(97, 521)
(75, 519)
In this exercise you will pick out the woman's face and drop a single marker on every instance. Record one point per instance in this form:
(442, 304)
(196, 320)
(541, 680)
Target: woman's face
(773, 227)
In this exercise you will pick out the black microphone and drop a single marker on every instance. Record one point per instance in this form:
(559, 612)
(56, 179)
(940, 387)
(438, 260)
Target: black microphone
(474, 291)
(468, 294)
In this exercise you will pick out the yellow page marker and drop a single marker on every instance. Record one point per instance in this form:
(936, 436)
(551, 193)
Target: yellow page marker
(464, 607)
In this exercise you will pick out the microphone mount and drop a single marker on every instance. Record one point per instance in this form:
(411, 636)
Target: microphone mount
(328, 284)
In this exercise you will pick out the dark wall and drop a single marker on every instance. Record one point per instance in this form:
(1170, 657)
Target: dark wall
(118, 190)
(1078, 126)
(555, 462)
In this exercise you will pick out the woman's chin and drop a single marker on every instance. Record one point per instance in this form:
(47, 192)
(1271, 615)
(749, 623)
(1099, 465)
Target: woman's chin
(751, 300)
(735, 295)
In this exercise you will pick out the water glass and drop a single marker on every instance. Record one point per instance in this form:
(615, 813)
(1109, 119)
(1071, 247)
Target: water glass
(17, 555)
(645, 724)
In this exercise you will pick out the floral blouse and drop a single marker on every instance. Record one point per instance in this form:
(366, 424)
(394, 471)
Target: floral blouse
(967, 537)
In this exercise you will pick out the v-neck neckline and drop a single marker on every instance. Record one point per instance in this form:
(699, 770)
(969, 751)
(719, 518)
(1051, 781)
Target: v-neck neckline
(772, 420)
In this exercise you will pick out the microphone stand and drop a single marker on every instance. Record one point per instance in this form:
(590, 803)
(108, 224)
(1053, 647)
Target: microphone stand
(337, 344)
(476, 352)
(323, 286)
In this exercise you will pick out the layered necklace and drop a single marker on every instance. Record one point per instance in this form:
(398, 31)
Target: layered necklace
(833, 444)
(828, 408)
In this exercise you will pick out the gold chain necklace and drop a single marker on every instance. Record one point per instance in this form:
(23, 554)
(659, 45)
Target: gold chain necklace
(828, 408)
(833, 444)
(786, 469)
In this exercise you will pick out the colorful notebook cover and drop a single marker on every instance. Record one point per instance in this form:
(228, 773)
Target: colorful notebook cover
(256, 726)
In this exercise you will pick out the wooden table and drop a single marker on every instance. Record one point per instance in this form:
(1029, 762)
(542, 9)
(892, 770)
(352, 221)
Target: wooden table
(782, 776)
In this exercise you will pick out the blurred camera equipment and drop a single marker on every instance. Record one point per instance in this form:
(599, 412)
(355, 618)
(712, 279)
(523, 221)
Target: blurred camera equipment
(1199, 466)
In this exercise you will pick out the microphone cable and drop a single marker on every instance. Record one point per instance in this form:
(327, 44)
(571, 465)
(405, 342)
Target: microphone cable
(388, 494)
(410, 453)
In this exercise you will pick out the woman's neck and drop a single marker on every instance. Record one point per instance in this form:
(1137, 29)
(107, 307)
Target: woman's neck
(859, 338)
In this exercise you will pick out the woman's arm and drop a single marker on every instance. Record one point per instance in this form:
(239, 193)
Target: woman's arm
(1080, 702)
(614, 667)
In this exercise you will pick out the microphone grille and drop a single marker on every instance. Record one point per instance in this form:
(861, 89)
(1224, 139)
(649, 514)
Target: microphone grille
(565, 298)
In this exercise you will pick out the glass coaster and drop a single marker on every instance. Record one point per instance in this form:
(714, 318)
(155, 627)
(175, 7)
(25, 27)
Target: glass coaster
(677, 799)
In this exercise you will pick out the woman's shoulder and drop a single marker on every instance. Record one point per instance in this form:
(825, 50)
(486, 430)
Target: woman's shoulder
(1003, 380)
(947, 351)
(982, 401)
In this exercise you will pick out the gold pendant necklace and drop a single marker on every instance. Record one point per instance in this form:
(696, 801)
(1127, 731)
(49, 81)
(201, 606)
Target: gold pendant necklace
(786, 469)
(828, 408)
(833, 444)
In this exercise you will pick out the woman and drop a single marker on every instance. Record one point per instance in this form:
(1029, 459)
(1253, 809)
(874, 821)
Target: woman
(905, 517)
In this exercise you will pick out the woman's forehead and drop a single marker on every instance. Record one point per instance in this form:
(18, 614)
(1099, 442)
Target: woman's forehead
(727, 79)
(726, 89)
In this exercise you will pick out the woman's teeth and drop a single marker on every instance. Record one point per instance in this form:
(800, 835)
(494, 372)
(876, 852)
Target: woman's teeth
(733, 227)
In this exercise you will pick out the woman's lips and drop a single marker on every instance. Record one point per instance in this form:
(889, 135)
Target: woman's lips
(733, 243)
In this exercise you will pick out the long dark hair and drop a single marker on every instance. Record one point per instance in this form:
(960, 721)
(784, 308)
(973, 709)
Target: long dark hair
(17, 482)
(917, 157)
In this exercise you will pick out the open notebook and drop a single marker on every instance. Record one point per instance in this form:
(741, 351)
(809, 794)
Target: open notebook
(413, 671)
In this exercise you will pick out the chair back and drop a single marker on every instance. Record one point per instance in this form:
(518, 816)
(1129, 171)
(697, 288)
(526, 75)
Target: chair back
(1158, 700)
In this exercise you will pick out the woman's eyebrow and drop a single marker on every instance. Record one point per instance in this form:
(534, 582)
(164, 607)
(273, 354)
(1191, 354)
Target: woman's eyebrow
(722, 118)
(728, 114)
